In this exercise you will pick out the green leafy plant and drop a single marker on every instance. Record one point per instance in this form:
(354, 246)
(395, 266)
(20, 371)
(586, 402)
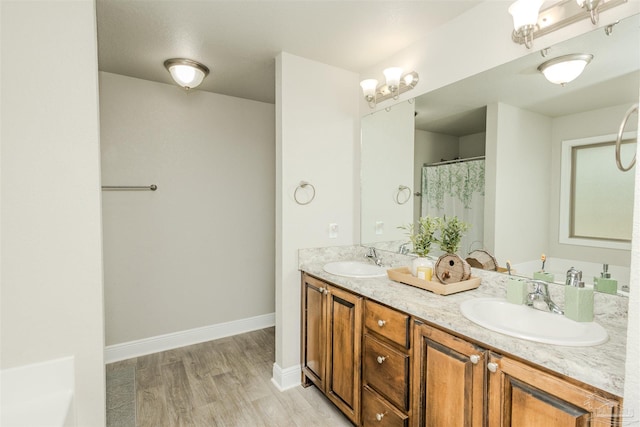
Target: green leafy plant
(423, 236)
(451, 232)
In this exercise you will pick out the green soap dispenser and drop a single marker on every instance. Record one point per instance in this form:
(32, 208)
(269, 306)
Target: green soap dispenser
(605, 283)
(578, 302)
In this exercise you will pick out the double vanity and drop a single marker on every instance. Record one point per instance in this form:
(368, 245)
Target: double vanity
(389, 354)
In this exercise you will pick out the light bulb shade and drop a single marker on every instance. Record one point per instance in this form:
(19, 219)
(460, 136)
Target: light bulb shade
(580, 3)
(525, 13)
(186, 72)
(565, 69)
(392, 76)
(369, 87)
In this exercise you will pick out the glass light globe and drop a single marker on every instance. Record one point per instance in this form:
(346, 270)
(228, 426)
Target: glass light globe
(525, 12)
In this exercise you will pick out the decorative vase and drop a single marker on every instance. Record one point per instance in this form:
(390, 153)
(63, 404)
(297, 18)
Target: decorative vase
(451, 268)
(420, 262)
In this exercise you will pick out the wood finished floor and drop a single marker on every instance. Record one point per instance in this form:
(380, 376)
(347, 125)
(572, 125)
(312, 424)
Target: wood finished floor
(226, 382)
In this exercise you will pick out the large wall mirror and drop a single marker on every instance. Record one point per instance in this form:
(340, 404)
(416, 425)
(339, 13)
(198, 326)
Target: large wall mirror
(499, 136)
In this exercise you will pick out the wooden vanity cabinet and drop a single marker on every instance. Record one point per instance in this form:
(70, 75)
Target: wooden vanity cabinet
(331, 340)
(386, 367)
(523, 396)
(448, 379)
(411, 374)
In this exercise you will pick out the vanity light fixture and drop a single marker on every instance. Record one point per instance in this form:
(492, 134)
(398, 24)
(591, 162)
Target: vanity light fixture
(530, 22)
(590, 6)
(563, 69)
(186, 72)
(525, 19)
(395, 84)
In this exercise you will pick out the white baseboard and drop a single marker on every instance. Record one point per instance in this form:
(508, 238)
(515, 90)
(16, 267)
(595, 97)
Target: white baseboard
(287, 378)
(128, 350)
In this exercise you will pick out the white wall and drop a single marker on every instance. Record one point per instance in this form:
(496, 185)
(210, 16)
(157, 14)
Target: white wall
(517, 183)
(317, 135)
(632, 379)
(199, 250)
(51, 238)
(582, 125)
(472, 145)
(386, 153)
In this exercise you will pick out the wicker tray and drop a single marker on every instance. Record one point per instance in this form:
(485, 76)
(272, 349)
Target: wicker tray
(403, 275)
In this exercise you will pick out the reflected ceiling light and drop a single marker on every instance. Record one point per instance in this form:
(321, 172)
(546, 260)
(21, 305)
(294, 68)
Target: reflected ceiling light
(186, 72)
(395, 84)
(563, 69)
(530, 22)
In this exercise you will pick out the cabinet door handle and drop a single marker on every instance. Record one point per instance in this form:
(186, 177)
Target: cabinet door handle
(379, 416)
(493, 367)
(381, 359)
(474, 359)
(381, 323)
(326, 292)
(322, 290)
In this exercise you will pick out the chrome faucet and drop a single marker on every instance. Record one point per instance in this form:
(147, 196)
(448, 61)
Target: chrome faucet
(404, 248)
(540, 299)
(373, 255)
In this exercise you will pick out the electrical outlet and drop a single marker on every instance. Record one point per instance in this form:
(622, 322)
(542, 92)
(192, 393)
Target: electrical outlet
(379, 227)
(333, 230)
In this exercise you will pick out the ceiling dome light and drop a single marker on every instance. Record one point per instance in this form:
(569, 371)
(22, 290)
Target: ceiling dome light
(563, 69)
(186, 72)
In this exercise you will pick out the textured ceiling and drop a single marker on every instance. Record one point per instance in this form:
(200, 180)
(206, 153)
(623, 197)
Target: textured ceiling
(239, 40)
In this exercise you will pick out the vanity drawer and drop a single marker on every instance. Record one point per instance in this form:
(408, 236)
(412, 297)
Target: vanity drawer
(387, 322)
(377, 412)
(386, 370)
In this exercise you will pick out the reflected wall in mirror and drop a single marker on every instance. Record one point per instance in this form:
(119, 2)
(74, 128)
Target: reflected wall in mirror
(521, 120)
(386, 175)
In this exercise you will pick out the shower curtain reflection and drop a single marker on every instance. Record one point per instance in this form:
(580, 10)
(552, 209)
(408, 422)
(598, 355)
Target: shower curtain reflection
(457, 189)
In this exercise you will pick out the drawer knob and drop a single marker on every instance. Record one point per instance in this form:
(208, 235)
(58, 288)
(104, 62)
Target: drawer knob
(381, 323)
(379, 416)
(474, 359)
(381, 359)
(493, 367)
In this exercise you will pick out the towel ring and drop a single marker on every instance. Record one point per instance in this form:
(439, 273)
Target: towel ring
(304, 184)
(630, 111)
(401, 190)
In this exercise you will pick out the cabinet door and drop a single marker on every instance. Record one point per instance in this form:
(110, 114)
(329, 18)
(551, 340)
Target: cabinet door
(314, 333)
(448, 385)
(344, 318)
(523, 396)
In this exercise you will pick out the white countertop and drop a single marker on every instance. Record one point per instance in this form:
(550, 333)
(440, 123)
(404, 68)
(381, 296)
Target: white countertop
(601, 366)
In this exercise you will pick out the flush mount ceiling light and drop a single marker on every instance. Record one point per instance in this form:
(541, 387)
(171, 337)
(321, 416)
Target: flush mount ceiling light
(395, 84)
(530, 22)
(563, 69)
(186, 72)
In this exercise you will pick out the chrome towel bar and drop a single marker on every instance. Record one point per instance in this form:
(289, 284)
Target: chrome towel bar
(151, 187)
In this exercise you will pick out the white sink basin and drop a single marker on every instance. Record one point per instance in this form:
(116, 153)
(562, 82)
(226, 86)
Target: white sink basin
(355, 269)
(530, 324)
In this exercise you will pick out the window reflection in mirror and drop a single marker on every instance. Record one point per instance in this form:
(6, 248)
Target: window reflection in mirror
(596, 197)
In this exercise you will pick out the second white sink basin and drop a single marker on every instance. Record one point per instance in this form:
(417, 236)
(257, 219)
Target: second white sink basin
(355, 269)
(530, 324)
